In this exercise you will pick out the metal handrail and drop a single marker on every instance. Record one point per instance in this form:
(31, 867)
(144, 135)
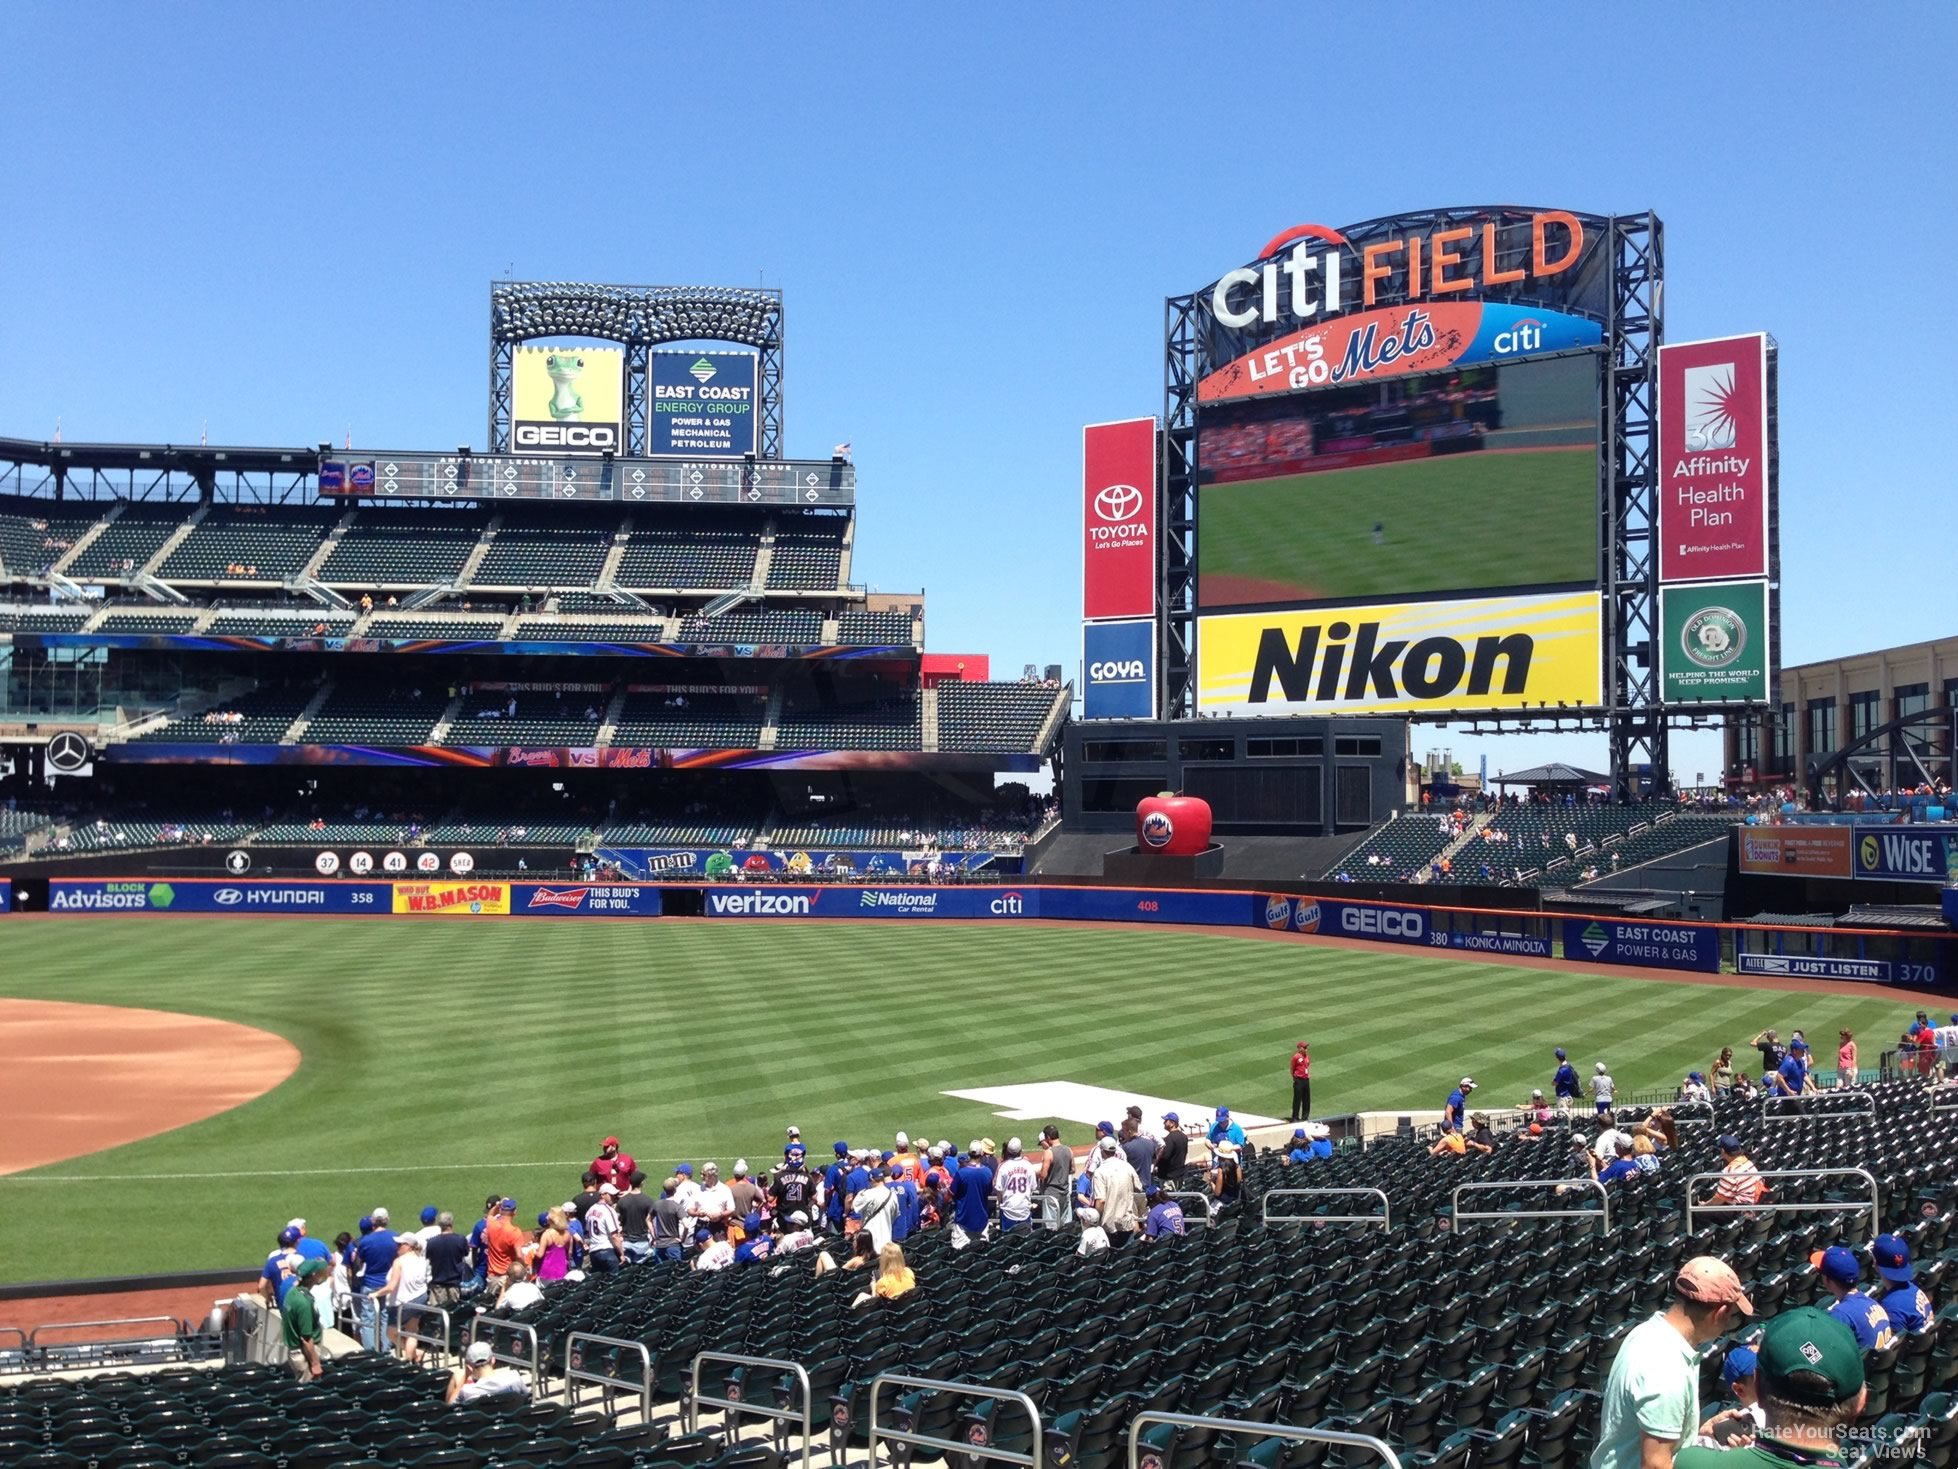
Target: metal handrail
(575, 1373)
(533, 1364)
(33, 1339)
(1384, 1218)
(1946, 1089)
(948, 1447)
(1261, 1430)
(16, 1332)
(731, 1406)
(1873, 1207)
(1768, 1115)
(1604, 1200)
(1201, 1216)
(418, 1334)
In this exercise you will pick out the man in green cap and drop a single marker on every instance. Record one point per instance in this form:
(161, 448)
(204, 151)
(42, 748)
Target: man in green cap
(1811, 1384)
(302, 1322)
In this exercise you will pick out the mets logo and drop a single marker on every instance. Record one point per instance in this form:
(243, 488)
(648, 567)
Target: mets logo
(1278, 912)
(1306, 917)
(1157, 829)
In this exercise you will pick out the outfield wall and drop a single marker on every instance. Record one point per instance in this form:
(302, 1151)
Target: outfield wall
(1927, 960)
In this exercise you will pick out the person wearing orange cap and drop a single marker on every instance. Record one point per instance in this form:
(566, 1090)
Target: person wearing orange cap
(1651, 1403)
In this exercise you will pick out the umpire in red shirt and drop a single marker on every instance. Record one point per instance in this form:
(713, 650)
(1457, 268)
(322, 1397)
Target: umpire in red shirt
(1302, 1082)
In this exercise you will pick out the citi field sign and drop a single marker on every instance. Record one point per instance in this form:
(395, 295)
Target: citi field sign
(1405, 294)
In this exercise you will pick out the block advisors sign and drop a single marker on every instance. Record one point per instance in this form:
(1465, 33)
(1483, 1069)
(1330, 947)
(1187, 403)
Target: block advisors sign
(1118, 666)
(1405, 657)
(1713, 452)
(703, 405)
(1714, 642)
(1118, 515)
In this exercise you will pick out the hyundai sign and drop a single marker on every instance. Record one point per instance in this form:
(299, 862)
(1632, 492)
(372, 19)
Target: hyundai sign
(1118, 666)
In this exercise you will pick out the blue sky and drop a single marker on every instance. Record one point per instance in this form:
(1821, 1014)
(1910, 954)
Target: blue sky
(281, 223)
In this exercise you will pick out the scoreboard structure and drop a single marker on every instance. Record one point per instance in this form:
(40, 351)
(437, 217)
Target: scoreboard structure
(638, 319)
(1440, 465)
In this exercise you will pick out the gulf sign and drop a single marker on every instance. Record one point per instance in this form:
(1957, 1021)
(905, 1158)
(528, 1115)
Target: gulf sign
(1118, 519)
(1406, 657)
(1713, 459)
(1395, 341)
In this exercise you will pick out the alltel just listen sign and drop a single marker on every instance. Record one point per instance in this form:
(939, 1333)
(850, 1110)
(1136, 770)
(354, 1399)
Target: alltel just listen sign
(1118, 519)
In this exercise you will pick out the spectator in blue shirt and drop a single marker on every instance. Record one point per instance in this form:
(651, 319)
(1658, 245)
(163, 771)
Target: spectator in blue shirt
(834, 1179)
(478, 1246)
(1621, 1166)
(1792, 1076)
(972, 1188)
(1165, 1216)
(1563, 1086)
(1841, 1272)
(281, 1267)
(1454, 1113)
(373, 1258)
(1224, 1130)
(1905, 1303)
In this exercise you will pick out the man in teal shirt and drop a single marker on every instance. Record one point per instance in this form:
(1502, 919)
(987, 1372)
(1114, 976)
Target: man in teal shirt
(1811, 1377)
(1651, 1402)
(302, 1324)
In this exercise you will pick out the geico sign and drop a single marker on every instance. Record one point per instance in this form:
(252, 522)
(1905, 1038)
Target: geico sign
(1118, 670)
(1386, 923)
(593, 438)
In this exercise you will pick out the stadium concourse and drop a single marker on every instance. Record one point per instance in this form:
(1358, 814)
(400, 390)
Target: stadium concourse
(1464, 1309)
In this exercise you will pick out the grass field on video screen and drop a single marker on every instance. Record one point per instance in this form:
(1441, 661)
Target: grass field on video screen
(1495, 518)
(444, 1059)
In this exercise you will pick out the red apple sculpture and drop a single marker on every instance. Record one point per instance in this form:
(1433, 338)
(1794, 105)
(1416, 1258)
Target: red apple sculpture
(1172, 825)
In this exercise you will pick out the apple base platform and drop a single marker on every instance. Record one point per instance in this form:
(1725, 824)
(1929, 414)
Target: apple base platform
(1137, 865)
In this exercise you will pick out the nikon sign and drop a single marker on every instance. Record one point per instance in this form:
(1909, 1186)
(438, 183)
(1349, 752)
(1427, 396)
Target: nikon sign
(1405, 657)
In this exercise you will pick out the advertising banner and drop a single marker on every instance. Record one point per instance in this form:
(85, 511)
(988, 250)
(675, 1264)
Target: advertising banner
(206, 895)
(1907, 854)
(847, 901)
(1812, 966)
(1404, 658)
(6, 894)
(452, 899)
(1395, 342)
(690, 864)
(1713, 459)
(703, 405)
(584, 900)
(1651, 945)
(567, 401)
(1795, 851)
(1388, 923)
(1118, 515)
(1118, 662)
(1141, 905)
(1713, 642)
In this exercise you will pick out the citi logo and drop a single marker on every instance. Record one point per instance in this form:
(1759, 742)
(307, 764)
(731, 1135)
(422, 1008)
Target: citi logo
(1125, 670)
(1118, 503)
(1008, 905)
(1525, 336)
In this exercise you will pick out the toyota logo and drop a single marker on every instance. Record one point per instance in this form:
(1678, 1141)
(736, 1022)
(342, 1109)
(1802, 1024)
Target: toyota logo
(1118, 502)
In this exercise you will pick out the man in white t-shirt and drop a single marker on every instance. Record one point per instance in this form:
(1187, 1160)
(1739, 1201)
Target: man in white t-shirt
(1606, 1147)
(686, 1192)
(1016, 1185)
(519, 1291)
(876, 1206)
(714, 1203)
(1947, 1038)
(480, 1377)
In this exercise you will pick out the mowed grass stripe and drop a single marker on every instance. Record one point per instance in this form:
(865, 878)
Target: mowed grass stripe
(462, 1052)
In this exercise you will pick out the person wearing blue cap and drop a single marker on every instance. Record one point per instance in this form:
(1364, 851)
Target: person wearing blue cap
(834, 1178)
(756, 1243)
(281, 1268)
(1741, 1373)
(1841, 1272)
(1563, 1086)
(1790, 1079)
(1905, 1303)
(1224, 1130)
(429, 1228)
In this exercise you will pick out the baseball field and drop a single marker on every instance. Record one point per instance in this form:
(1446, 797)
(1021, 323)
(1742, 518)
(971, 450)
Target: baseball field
(1524, 517)
(439, 1061)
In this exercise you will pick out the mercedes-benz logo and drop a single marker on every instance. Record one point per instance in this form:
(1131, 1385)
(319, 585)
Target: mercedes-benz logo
(1118, 502)
(68, 752)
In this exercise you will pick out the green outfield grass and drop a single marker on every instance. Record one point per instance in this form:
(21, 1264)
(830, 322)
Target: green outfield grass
(1460, 520)
(446, 1059)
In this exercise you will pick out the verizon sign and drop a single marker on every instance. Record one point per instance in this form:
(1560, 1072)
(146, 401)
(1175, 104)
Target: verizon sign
(1118, 554)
